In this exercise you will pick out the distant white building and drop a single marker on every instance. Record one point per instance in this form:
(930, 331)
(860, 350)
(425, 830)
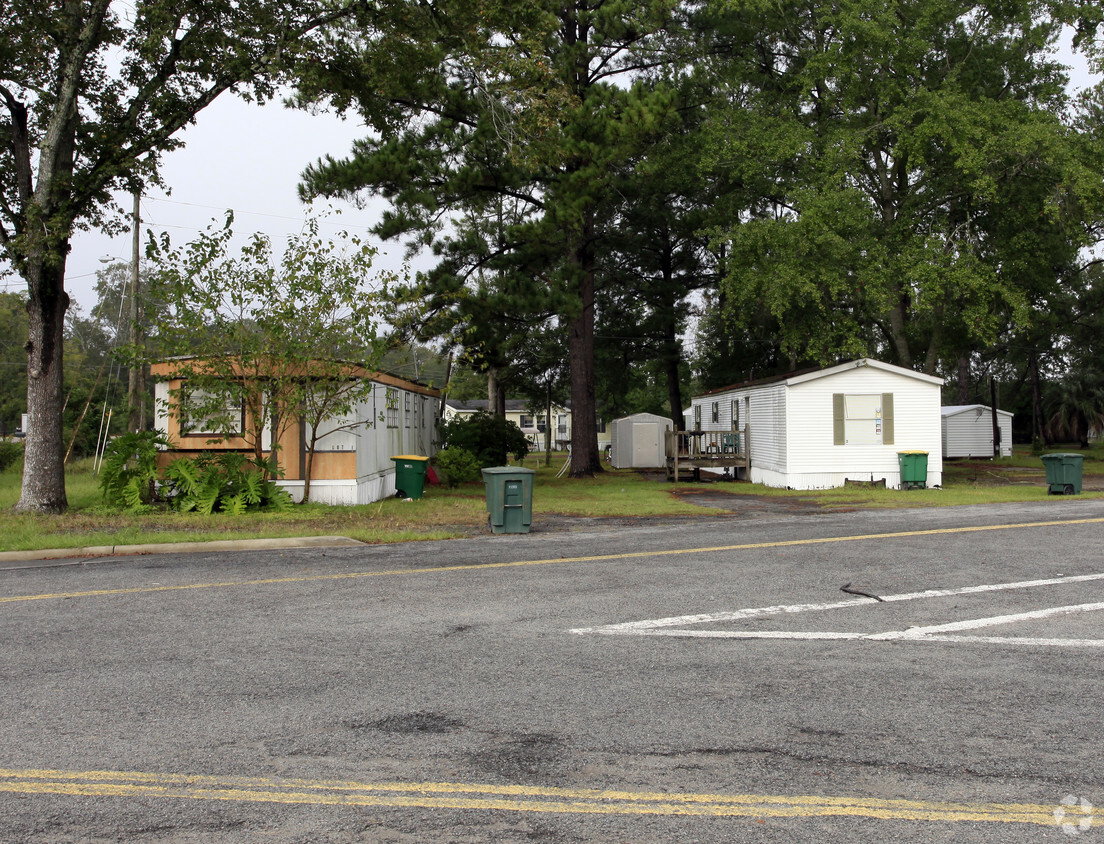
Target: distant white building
(532, 424)
(820, 428)
(968, 431)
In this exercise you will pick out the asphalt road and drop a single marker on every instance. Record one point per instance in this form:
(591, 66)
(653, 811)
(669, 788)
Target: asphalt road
(703, 681)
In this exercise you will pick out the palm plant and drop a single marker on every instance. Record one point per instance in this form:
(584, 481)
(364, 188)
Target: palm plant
(1074, 407)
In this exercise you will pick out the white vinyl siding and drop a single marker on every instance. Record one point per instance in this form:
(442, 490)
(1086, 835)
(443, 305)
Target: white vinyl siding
(792, 430)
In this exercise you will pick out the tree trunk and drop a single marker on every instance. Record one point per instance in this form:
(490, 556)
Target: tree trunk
(1038, 433)
(585, 460)
(897, 321)
(496, 394)
(43, 488)
(308, 469)
(671, 360)
(963, 380)
(548, 425)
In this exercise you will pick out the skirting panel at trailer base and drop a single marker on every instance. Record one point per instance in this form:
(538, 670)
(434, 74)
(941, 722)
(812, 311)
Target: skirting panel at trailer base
(323, 492)
(831, 480)
(345, 492)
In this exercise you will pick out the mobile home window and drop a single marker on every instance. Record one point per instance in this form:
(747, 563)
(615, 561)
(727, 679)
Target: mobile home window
(735, 414)
(715, 412)
(205, 413)
(697, 417)
(392, 408)
(862, 419)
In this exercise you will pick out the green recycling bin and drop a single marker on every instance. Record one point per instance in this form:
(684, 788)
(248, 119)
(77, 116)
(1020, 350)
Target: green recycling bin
(1063, 473)
(914, 469)
(509, 498)
(410, 475)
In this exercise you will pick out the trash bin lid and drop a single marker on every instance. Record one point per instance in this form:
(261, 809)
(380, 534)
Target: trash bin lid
(408, 457)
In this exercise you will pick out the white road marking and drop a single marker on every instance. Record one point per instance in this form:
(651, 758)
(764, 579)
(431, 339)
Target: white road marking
(992, 621)
(675, 626)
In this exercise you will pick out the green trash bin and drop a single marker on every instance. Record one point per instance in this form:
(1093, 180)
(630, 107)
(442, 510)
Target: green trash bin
(410, 475)
(509, 498)
(1063, 473)
(914, 469)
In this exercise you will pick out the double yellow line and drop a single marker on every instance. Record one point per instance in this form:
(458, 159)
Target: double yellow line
(628, 555)
(517, 798)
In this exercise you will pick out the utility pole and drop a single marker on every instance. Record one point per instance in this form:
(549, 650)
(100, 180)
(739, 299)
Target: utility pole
(136, 415)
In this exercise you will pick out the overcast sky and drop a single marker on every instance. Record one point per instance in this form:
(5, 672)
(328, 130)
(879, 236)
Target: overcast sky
(238, 156)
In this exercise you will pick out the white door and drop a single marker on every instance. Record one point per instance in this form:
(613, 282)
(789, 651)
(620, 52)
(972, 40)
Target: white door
(645, 438)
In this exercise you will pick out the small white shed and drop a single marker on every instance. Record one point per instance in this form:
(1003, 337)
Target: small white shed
(637, 441)
(820, 428)
(968, 431)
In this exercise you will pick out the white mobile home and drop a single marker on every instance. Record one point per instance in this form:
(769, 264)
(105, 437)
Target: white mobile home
(820, 428)
(637, 441)
(968, 431)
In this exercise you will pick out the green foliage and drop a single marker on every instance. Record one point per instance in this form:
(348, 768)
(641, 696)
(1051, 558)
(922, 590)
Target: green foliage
(94, 93)
(128, 476)
(227, 482)
(457, 465)
(490, 438)
(1074, 407)
(13, 359)
(10, 454)
(911, 184)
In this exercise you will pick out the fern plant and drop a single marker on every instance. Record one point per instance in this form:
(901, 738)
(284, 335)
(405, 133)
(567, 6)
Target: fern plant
(128, 474)
(228, 482)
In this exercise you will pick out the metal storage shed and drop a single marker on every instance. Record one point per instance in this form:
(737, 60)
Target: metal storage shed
(968, 431)
(638, 441)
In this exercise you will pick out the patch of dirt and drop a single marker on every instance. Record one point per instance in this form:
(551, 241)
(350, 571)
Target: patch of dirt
(985, 473)
(746, 506)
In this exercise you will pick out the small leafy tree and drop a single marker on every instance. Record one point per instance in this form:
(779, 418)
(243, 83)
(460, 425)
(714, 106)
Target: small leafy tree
(490, 438)
(274, 339)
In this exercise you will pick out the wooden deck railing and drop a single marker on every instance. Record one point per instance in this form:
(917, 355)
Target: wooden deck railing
(706, 449)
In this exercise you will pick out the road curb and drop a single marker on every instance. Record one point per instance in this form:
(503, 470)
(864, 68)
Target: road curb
(80, 556)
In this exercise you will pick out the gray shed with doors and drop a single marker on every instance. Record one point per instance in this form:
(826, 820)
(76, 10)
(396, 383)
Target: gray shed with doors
(968, 431)
(637, 441)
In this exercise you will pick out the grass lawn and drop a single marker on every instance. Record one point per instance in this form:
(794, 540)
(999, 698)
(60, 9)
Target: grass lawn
(448, 513)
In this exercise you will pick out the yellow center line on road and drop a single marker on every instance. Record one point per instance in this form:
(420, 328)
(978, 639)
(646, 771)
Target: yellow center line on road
(626, 555)
(478, 796)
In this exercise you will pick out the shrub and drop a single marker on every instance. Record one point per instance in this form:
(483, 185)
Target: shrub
(458, 465)
(490, 438)
(128, 475)
(227, 482)
(10, 454)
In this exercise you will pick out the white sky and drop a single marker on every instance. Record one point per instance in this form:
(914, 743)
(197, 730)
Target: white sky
(237, 156)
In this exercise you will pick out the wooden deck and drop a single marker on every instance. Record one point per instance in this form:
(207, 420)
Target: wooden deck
(688, 452)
